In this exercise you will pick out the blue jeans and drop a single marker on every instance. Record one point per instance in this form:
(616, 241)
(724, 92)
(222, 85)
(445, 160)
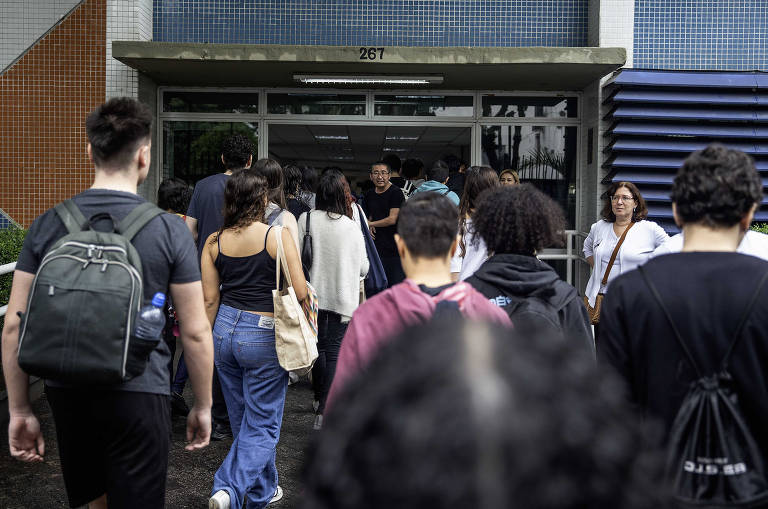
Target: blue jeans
(254, 387)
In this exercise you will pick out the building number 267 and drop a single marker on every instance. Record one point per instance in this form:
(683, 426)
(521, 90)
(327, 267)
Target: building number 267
(371, 53)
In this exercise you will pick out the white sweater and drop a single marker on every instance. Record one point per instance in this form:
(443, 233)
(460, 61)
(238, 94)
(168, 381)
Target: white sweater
(338, 260)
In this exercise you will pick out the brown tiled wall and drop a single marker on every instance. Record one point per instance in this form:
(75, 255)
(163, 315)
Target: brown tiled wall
(44, 99)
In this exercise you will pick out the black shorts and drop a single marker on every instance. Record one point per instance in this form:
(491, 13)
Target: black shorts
(112, 442)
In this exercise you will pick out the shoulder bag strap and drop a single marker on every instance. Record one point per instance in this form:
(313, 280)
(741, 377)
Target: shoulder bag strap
(613, 255)
(281, 261)
(137, 219)
(70, 215)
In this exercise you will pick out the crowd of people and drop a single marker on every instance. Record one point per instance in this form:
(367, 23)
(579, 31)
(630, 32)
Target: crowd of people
(455, 368)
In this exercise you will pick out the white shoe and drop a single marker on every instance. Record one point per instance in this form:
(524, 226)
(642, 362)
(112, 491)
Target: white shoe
(219, 500)
(277, 496)
(318, 425)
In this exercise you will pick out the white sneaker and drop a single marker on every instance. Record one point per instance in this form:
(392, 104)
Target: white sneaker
(277, 496)
(219, 500)
(318, 424)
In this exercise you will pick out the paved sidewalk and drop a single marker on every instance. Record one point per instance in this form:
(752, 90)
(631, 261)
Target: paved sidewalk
(190, 475)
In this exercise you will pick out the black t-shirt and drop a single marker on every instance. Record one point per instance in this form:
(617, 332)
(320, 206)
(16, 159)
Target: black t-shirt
(377, 207)
(167, 256)
(706, 295)
(206, 206)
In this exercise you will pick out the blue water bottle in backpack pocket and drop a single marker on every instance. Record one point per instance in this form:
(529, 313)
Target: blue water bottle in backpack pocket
(150, 321)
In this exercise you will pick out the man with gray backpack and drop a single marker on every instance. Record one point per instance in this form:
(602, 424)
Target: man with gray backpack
(88, 269)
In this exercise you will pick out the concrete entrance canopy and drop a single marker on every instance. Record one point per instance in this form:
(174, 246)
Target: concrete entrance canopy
(220, 65)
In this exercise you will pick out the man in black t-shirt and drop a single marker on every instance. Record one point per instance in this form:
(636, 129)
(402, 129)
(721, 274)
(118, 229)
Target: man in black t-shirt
(114, 441)
(382, 205)
(204, 217)
(706, 289)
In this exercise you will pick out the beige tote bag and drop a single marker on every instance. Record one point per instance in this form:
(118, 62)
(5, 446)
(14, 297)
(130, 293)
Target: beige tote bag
(295, 341)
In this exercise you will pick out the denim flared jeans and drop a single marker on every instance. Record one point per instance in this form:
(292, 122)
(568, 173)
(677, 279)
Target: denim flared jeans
(254, 387)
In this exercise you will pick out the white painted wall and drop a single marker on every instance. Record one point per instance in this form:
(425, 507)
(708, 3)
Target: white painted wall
(127, 20)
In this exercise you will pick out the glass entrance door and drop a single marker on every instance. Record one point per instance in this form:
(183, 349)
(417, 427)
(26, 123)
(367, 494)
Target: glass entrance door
(353, 148)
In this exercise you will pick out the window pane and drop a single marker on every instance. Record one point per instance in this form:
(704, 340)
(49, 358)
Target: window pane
(529, 107)
(211, 102)
(316, 104)
(544, 156)
(423, 105)
(192, 150)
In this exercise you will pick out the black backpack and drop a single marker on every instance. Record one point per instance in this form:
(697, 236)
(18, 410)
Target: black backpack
(713, 460)
(79, 322)
(532, 315)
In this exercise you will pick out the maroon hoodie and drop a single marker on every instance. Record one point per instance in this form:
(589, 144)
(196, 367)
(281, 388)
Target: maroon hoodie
(388, 313)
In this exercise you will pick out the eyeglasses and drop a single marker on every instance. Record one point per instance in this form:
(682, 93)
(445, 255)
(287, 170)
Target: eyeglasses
(379, 173)
(616, 199)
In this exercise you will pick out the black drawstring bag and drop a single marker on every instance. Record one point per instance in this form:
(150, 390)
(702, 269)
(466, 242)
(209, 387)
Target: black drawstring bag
(713, 460)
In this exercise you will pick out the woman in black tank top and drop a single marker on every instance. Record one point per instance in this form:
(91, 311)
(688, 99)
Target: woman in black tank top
(238, 266)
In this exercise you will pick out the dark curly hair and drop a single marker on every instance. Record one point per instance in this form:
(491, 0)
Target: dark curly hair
(518, 220)
(244, 200)
(640, 211)
(477, 180)
(174, 194)
(716, 186)
(482, 418)
(235, 151)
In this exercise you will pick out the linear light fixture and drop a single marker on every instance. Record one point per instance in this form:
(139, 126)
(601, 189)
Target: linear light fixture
(402, 138)
(329, 79)
(331, 137)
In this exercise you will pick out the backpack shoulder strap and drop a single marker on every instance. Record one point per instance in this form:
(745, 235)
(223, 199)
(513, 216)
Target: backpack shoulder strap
(743, 322)
(70, 215)
(660, 302)
(137, 219)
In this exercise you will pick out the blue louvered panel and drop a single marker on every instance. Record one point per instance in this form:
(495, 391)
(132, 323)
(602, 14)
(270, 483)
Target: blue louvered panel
(673, 163)
(657, 118)
(690, 130)
(662, 112)
(678, 97)
(693, 79)
(681, 145)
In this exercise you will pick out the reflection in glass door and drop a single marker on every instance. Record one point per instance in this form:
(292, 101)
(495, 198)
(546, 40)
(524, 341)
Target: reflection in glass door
(192, 150)
(543, 155)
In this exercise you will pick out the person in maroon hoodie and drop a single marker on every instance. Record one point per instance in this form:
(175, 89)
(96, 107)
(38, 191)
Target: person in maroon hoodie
(426, 239)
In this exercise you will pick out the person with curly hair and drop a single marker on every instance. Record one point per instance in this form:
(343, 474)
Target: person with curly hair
(515, 223)
(238, 267)
(472, 252)
(204, 217)
(482, 418)
(624, 211)
(706, 289)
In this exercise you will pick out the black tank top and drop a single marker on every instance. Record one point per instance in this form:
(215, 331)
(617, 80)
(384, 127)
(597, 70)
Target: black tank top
(247, 281)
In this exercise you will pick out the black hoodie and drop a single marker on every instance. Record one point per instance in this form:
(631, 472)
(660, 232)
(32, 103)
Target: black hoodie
(534, 296)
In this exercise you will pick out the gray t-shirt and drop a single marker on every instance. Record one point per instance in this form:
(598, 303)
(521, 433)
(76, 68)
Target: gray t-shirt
(167, 253)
